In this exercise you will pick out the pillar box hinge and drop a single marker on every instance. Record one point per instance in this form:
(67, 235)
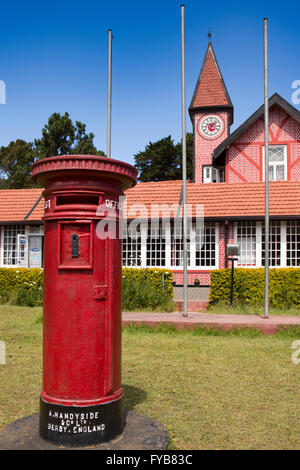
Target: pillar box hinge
(100, 292)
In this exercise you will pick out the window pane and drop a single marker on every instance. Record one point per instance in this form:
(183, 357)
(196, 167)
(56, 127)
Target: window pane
(205, 245)
(10, 242)
(280, 172)
(276, 154)
(293, 249)
(177, 244)
(277, 162)
(156, 245)
(274, 243)
(246, 238)
(222, 175)
(132, 247)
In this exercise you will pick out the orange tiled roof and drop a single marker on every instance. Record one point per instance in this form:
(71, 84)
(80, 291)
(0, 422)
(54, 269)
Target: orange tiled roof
(16, 203)
(210, 89)
(220, 200)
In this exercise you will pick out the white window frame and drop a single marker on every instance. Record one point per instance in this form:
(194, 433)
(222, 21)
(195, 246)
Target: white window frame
(128, 244)
(296, 250)
(211, 168)
(168, 261)
(252, 265)
(273, 223)
(2, 242)
(26, 234)
(283, 245)
(160, 246)
(278, 163)
(208, 267)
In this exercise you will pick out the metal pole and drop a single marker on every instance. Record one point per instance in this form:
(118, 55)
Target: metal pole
(109, 95)
(266, 102)
(185, 296)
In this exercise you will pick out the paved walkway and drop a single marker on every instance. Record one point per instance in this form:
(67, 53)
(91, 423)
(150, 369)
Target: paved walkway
(195, 294)
(212, 320)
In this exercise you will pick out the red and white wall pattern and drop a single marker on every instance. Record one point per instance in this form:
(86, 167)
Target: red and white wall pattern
(205, 147)
(244, 158)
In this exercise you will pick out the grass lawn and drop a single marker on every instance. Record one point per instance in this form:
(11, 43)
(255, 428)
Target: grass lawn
(210, 391)
(222, 307)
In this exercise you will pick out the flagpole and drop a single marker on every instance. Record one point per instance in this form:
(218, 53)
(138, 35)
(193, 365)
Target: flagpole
(185, 296)
(267, 220)
(109, 95)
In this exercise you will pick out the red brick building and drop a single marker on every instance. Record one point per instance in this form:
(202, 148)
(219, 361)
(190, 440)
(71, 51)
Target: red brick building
(228, 182)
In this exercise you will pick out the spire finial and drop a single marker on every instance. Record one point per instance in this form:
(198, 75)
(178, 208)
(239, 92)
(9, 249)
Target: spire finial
(209, 34)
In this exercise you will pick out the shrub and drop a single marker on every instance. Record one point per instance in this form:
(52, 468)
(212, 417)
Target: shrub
(142, 288)
(4, 297)
(284, 291)
(147, 289)
(21, 286)
(12, 279)
(30, 298)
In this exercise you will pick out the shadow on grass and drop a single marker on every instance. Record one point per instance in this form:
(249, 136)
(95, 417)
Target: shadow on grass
(133, 396)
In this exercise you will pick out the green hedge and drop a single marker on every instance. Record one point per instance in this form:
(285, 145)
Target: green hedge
(12, 279)
(21, 286)
(142, 288)
(160, 279)
(147, 289)
(284, 286)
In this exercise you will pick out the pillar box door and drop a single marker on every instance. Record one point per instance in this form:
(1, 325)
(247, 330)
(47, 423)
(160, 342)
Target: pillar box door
(81, 399)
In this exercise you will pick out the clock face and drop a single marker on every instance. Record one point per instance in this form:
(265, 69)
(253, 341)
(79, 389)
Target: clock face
(211, 126)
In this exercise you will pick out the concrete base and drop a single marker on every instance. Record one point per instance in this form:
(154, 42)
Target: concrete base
(140, 433)
(193, 306)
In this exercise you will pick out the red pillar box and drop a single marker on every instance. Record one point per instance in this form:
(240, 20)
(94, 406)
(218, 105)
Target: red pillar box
(81, 399)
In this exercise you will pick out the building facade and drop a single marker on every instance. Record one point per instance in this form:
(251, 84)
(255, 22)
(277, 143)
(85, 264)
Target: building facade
(228, 186)
(229, 182)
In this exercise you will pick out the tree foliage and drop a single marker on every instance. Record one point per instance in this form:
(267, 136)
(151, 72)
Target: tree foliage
(60, 136)
(162, 160)
(15, 165)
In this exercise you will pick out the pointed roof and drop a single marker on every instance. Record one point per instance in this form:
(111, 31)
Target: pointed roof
(210, 89)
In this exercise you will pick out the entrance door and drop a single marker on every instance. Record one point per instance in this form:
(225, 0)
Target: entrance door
(22, 251)
(35, 251)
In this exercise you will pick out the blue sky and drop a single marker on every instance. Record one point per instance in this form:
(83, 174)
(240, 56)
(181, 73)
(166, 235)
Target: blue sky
(53, 58)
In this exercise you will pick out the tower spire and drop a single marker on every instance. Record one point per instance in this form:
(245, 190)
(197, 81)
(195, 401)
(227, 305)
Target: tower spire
(210, 91)
(211, 113)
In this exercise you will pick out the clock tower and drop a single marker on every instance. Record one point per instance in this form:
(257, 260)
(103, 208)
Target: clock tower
(211, 112)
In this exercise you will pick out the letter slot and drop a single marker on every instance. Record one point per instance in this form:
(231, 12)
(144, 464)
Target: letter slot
(75, 245)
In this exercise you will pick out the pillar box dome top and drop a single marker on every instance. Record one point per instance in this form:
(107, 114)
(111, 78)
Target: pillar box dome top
(70, 166)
